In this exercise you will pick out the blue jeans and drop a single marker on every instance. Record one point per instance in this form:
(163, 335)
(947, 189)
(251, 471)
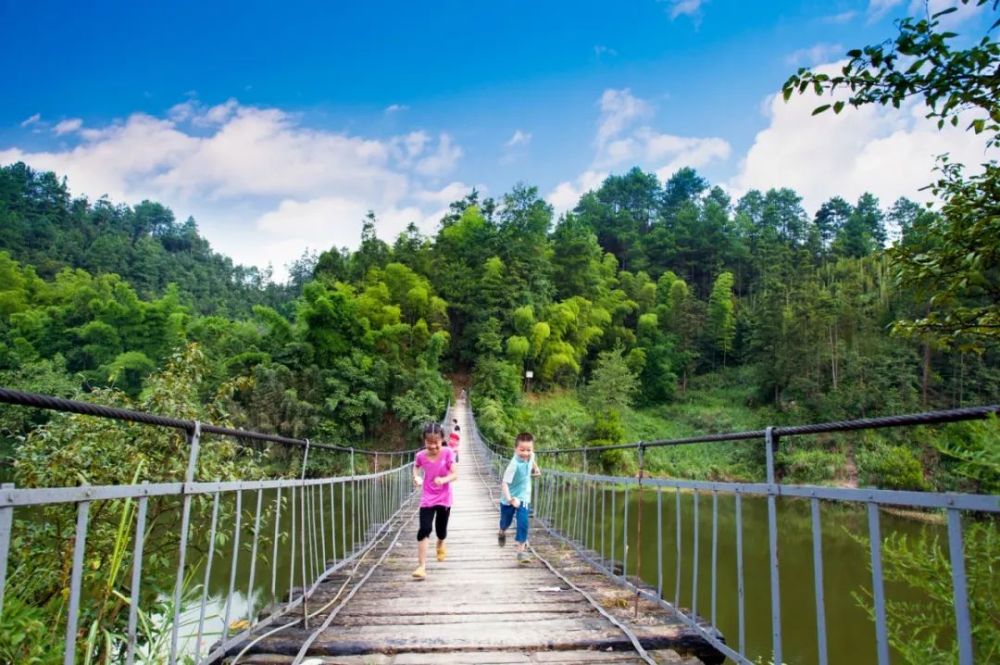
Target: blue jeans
(507, 514)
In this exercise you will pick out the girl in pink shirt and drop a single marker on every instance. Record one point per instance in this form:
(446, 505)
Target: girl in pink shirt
(439, 470)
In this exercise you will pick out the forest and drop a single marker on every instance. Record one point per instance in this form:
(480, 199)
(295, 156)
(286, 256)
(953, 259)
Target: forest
(648, 296)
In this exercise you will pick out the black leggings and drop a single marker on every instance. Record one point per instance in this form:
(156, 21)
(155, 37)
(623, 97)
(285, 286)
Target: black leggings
(438, 515)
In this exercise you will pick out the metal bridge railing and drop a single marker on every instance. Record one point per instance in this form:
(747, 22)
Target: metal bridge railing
(580, 508)
(306, 515)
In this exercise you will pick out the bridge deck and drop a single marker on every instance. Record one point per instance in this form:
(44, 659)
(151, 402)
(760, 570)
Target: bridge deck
(478, 606)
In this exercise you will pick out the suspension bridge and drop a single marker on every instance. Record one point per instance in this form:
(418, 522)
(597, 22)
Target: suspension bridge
(318, 568)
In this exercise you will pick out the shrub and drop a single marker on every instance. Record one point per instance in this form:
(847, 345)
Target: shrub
(890, 467)
(810, 465)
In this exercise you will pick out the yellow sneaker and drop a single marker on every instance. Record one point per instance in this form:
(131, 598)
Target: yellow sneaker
(442, 552)
(419, 573)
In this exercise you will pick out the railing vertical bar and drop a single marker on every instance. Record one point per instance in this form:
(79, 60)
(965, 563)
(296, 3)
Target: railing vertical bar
(739, 573)
(715, 549)
(878, 588)
(343, 519)
(694, 560)
(817, 538)
(551, 510)
(625, 535)
(678, 552)
(253, 556)
(366, 501)
(76, 581)
(553, 498)
(6, 528)
(232, 569)
(317, 564)
(307, 533)
(208, 576)
(559, 504)
(557, 499)
(956, 552)
(292, 528)
(354, 515)
(354, 507)
(302, 552)
(274, 549)
(659, 542)
(333, 524)
(772, 531)
(614, 530)
(604, 517)
(137, 553)
(581, 512)
(194, 440)
(592, 516)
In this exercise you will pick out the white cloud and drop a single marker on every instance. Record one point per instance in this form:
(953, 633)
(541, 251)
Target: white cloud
(620, 145)
(814, 55)
(396, 108)
(925, 9)
(442, 160)
(964, 11)
(68, 126)
(662, 152)
(567, 194)
(684, 7)
(518, 138)
(200, 115)
(843, 17)
(879, 8)
(600, 51)
(453, 191)
(218, 114)
(619, 108)
(885, 151)
(31, 120)
(261, 184)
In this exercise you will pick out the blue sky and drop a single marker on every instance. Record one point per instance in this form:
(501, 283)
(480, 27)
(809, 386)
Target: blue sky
(277, 125)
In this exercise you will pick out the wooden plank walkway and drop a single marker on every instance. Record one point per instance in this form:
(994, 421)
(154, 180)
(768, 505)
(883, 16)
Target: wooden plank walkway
(478, 606)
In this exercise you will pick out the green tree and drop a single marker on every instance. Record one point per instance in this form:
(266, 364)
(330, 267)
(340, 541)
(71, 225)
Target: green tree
(958, 259)
(612, 384)
(721, 314)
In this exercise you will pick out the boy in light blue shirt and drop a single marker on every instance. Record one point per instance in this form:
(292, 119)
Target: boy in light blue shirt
(516, 489)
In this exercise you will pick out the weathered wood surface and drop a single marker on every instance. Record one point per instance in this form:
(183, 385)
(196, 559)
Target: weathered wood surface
(480, 605)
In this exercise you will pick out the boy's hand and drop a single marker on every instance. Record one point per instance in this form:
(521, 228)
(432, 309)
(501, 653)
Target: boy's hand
(514, 501)
(417, 482)
(439, 481)
(536, 473)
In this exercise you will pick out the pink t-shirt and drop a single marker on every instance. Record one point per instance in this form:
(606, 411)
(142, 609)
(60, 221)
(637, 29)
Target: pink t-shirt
(435, 495)
(453, 440)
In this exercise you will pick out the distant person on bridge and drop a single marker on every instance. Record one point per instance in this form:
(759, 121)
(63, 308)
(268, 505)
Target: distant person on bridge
(461, 395)
(516, 490)
(440, 469)
(455, 438)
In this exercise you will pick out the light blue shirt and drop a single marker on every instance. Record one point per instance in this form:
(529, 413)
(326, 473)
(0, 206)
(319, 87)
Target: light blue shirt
(518, 479)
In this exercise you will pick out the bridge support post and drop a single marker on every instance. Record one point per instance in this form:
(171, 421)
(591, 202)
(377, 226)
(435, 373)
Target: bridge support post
(194, 441)
(6, 524)
(770, 441)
